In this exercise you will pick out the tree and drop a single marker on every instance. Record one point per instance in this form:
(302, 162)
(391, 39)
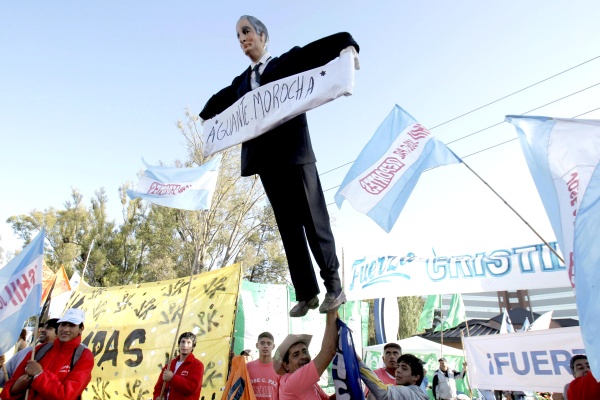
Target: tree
(156, 243)
(239, 227)
(410, 310)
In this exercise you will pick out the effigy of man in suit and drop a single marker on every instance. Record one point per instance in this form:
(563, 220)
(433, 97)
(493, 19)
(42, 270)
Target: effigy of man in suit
(284, 159)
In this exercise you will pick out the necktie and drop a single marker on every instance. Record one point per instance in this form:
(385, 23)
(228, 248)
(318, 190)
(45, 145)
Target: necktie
(257, 74)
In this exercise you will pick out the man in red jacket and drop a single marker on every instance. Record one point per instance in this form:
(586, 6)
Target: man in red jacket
(183, 377)
(64, 370)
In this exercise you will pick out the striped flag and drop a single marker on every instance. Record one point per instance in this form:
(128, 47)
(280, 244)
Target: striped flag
(182, 188)
(563, 157)
(21, 291)
(385, 173)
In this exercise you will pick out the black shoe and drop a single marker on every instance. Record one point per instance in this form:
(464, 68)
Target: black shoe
(332, 302)
(300, 309)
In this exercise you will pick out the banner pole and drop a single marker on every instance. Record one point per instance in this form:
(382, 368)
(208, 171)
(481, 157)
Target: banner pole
(515, 211)
(462, 338)
(201, 218)
(35, 339)
(86, 260)
(343, 275)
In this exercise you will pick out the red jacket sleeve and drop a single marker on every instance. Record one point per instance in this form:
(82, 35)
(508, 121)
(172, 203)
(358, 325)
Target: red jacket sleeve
(159, 384)
(72, 385)
(20, 370)
(188, 385)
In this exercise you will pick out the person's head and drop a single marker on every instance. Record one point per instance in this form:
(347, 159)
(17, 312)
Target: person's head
(265, 344)
(23, 335)
(253, 36)
(410, 370)
(579, 365)
(71, 324)
(187, 343)
(49, 331)
(292, 353)
(391, 353)
(443, 364)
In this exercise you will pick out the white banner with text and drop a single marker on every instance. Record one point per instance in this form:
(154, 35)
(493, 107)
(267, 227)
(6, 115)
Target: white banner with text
(272, 104)
(527, 267)
(526, 361)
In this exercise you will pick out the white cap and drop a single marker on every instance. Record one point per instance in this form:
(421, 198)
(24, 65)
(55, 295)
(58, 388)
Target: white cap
(74, 316)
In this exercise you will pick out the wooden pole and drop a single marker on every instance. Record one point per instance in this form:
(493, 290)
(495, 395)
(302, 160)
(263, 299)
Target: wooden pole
(515, 211)
(201, 217)
(35, 339)
(462, 338)
(86, 260)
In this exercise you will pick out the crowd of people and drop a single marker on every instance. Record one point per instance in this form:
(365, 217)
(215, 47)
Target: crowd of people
(284, 160)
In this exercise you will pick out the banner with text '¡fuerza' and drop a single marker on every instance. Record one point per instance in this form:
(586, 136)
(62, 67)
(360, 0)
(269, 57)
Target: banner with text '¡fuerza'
(131, 329)
(527, 267)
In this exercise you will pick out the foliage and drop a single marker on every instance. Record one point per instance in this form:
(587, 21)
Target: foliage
(410, 310)
(156, 243)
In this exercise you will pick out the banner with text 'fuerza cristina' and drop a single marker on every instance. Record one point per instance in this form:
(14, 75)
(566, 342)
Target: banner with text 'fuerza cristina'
(527, 267)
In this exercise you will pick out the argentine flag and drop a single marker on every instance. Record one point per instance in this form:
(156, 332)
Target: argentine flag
(21, 291)
(563, 157)
(385, 173)
(182, 188)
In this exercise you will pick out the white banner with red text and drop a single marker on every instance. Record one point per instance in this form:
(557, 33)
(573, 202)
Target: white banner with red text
(527, 267)
(272, 104)
(526, 361)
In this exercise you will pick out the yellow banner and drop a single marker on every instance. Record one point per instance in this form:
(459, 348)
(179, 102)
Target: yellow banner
(131, 329)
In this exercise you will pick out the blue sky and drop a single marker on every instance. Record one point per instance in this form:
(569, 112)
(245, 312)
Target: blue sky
(89, 88)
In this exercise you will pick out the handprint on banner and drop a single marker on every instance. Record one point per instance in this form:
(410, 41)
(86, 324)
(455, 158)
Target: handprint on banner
(77, 300)
(122, 305)
(175, 289)
(131, 391)
(97, 293)
(175, 312)
(208, 324)
(210, 374)
(99, 309)
(145, 308)
(99, 389)
(216, 284)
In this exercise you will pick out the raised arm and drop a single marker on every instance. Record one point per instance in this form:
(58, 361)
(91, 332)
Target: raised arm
(329, 344)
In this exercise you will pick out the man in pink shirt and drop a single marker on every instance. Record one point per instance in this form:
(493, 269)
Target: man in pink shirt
(300, 373)
(391, 353)
(264, 379)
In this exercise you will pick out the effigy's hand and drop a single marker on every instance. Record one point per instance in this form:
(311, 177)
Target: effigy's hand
(354, 54)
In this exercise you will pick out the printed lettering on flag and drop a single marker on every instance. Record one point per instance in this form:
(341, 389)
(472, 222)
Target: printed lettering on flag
(183, 188)
(345, 368)
(21, 293)
(383, 176)
(562, 155)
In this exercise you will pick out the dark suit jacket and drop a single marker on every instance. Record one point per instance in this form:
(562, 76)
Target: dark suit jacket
(289, 143)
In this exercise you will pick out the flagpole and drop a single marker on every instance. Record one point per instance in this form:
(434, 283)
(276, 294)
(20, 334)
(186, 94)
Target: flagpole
(343, 269)
(201, 217)
(86, 260)
(462, 338)
(35, 338)
(515, 211)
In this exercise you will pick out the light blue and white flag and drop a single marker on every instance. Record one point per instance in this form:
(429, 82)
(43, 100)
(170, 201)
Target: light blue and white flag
(21, 295)
(183, 188)
(385, 173)
(586, 253)
(563, 157)
(561, 154)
